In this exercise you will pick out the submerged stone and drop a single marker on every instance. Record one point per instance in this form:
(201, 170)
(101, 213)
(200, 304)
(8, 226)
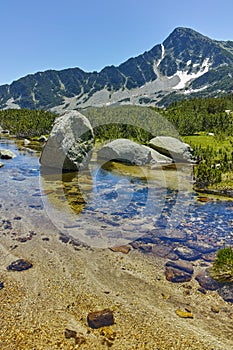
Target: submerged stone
(204, 199)
(7, 154)
(161, 250)
(176, 275)
(19, 178)
(201, 247)
(169, 235)
(184, 314)
(181, 265)
(122, 249)
(70, 334)
(145, 248)
(187, 253)
(226, 292)
(99, 319)
(206, 281)
(19, 265)
(209, 257)
(215, 309)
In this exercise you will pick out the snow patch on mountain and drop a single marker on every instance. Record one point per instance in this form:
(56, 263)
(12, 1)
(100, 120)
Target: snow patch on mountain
(162, 55)
(11, 104)
(190, 91)
(185, 77)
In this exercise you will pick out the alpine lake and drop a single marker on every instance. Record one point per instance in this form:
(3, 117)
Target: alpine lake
(113, 204)
(138, 240)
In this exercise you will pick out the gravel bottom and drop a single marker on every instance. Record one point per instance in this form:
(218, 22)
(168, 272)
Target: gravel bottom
(67, 282)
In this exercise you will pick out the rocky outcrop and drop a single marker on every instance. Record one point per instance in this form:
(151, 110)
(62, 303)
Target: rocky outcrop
(69, 146)
(172, 147)
(152, 78)
(126, 151)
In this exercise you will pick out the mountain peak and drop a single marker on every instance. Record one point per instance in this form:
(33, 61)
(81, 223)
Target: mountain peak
(187, 64)
(181, 30)
(182, 33)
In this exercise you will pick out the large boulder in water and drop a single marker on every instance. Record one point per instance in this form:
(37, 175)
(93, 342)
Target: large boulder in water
(158, 158)
(125, 151)
(172, 147)
(69, 146)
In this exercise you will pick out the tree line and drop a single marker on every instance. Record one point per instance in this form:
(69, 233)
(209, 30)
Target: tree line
(187, 117)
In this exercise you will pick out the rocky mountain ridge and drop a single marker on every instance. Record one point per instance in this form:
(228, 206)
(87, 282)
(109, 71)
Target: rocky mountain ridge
(187, 64)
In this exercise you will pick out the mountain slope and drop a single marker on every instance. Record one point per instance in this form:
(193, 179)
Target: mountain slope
(186, 64)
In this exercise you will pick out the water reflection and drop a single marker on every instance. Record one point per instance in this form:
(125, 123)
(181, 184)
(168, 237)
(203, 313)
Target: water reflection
(113, 203)
(114, 195)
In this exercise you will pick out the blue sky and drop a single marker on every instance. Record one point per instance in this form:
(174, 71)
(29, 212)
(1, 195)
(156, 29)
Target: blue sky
(37, 35)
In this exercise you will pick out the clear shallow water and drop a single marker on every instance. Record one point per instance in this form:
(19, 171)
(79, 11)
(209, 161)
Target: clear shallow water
(115, 204)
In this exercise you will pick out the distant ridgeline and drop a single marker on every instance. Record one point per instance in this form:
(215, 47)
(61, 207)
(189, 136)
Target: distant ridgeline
(186, 65)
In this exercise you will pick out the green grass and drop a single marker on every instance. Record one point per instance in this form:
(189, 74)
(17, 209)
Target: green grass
(24, 123)
(215, 156)
(222, 269)
(136, 123)
(204, 140)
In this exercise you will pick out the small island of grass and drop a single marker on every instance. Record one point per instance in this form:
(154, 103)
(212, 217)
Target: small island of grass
(222, 269)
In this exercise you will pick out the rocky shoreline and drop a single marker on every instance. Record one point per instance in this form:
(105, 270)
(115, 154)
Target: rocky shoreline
(224, 193)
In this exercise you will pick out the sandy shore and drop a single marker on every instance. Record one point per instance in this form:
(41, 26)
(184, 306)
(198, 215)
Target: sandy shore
(67, 282)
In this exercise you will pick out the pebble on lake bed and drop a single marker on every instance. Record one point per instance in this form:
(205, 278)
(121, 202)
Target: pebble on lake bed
(226, 292)
(100, 319)
(19, 265)
(176, 275)
(215, 309)
(184, 314)
(122, 249)
(70, 334)
(79, 339)
(205, 281)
